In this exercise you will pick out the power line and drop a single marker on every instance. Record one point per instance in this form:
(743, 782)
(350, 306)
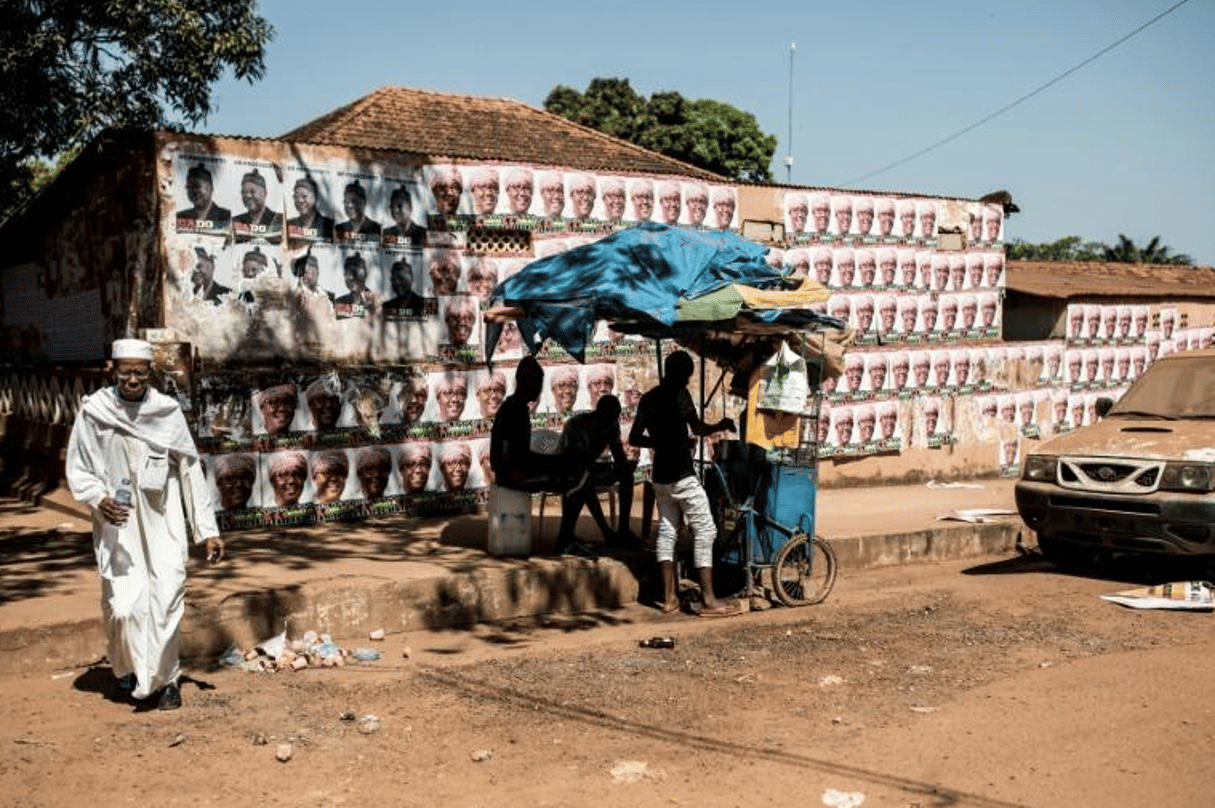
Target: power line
(1020, 100)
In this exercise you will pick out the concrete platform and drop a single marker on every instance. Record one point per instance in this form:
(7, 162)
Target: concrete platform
(403, 574)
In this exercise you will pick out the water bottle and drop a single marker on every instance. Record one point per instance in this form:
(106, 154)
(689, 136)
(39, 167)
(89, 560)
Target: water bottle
(123, 494)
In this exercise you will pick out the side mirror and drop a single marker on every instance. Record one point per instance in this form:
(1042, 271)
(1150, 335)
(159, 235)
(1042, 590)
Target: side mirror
(1103, 406)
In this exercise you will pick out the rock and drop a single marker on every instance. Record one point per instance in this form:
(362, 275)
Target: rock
(378, 634)
(259, 739)
(837, 720)
(347, 715)
(407, 652)
(920, 670)
(284, 752)
(626, 772)
(481, 755)
(299, 663)
(923, 709)
(830, 680)
(843, 799)
(369, 725)
(178, 740)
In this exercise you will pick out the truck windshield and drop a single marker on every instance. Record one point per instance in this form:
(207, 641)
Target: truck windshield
(1182, 387)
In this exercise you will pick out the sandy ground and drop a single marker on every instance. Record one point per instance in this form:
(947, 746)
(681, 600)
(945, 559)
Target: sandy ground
(1004, 683)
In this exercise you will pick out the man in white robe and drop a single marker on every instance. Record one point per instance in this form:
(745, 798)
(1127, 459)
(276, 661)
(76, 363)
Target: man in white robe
(130, 443)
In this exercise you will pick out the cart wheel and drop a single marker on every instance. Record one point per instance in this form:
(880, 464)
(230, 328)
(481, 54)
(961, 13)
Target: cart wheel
(804, 571)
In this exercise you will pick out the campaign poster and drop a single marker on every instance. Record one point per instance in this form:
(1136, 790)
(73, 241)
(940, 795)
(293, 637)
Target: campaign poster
(455, 471)
(926, 220)
(863, 217)
(204, 269)
(862, 317)
(974, 271)
(482, 189)
(1058, 411)
(1106, 358)
(205, 190)
(642, 198)
(940, 272)
(960, 371)
(1092, 366)
(278, 410)
(324, 401)
(864, 434)
(936, 422)
(365, 402)
(866, 267)
(225, 413)
(906, 322)
(1123, 318)
(993, 223)
(822, 261)
(1009, 456)
(1168, 322)
(444, 271)
(885, 212)
(449, 398)
(415, 465)
(850, 383)
(797, 213)
(844, 275)
(906, 276)
(560, 391)
(974, 219)
(1025, 419)
(1139, 322)
(405, 227)
(403, 285)
(373, 478)
(947, 319)
(260, 191)
(287, 481)
(518, 184)
(905, 210)
(941, 375)
(234, 481)
(839, 439)
(875, 382)
(724, 200)
(957, 273)
(980, 369)
(362, 208)
(993, 270)
(969, 324)
(361, 277)
(1052, 363)
(988, 406)
(445, 194)
(839, 306)
(581, 194)
(312, 210)
(460, 329)
(990, 313)
(797, 262)
(841, 225)
(1076, 410)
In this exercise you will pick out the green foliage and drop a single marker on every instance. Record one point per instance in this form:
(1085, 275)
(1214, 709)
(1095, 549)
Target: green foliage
(1073, 248)
(1126, 251)
(706, 133)
(70, 69)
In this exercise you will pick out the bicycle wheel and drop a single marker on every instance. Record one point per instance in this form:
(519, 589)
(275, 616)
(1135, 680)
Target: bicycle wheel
(804, 571)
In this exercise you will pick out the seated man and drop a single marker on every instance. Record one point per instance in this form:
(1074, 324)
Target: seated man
(584, 439)
(514, 463)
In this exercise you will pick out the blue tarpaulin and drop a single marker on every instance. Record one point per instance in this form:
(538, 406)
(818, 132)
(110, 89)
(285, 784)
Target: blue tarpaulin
(636, 276)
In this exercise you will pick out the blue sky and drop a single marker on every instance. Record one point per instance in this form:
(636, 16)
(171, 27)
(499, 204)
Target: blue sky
(1122, 146)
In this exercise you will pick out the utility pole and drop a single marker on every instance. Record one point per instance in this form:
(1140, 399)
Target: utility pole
(789, 150)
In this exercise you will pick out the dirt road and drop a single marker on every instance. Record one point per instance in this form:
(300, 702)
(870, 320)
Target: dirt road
(1001, 684)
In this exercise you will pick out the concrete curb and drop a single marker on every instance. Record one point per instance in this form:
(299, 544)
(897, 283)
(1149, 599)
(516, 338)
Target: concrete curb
(350, 606)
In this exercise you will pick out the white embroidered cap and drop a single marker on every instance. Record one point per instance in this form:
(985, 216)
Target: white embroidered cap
(131, 349)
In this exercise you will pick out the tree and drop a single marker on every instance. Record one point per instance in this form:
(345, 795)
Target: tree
(1125, 251)
(706, 133)
(70, 69)
(1073, 248)
(1068, 248)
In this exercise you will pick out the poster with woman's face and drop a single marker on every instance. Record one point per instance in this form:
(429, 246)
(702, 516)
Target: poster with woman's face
(278, 410)
(286, 479)
(234, 480)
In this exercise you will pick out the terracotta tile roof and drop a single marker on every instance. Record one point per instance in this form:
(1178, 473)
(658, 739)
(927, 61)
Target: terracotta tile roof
(481, 128)
(1068, 279)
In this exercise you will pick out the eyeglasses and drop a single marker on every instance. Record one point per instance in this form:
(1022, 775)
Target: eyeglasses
(140, 375)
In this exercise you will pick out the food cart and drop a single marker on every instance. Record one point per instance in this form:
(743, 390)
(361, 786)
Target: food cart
(717, 295)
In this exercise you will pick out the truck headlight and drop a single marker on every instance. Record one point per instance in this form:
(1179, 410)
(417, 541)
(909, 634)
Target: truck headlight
(1040, 467)
(1187, 477)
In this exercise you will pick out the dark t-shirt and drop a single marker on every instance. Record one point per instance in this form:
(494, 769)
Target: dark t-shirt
(664, 414)
(510, 439)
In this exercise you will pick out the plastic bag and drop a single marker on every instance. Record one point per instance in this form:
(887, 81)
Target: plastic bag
(784, 386)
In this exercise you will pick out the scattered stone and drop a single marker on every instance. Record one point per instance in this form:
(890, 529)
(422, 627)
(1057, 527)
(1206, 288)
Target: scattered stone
(830, 680)
(920, 670)
(627, 772)
(369, 725)
(843, 799)
(178, 740)
(407, 652)
(259, 739)
(347, 715)
(1045, 664)
(378, 634)
(923, 709)
(837, 720)
(481, 756)
(760, 603)
(284, 752)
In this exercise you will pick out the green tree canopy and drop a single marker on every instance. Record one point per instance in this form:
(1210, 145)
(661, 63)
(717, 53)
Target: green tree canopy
(70, 69)
(706, 133)
(1074, 248)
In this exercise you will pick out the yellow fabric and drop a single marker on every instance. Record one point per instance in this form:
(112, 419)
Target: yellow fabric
(806, 295)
